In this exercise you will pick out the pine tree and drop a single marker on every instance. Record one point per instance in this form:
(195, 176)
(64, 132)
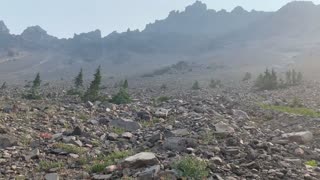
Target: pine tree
(274, 79)
(299, 78)
(294, 77)
(288, 78)
(4, 85)
(125, 84)
(195, 85)
(92, 93)
(34, 91)
(122, 97)
(247, 76)
(78, 81)
(36, 82)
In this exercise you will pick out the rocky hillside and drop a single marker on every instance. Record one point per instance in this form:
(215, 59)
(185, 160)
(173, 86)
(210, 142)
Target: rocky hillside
(163, 134)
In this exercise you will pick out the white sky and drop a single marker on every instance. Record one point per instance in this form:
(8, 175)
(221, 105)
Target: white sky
(63, 18)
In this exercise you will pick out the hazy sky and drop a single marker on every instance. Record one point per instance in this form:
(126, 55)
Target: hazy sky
(63, 18)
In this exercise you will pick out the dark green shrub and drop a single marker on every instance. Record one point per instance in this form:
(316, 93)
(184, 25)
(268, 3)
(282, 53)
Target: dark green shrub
(191, 167)
(122, 97)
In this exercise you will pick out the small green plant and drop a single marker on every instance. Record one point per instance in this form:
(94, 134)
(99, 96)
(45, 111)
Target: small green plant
(149, 123)
(207, 137)
(117, 130)
(101, 162)
(47, 165)
(296, 102)
(70, 148)
(196, 85)
(312, 163)
(163, 99)
(191, 167)
(122, 97)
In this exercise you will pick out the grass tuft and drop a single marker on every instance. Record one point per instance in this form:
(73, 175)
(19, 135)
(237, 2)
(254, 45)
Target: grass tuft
(191, 167)
(292, 110)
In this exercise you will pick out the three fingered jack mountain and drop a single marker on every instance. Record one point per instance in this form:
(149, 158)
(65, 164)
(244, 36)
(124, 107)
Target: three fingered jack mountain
(197, 34)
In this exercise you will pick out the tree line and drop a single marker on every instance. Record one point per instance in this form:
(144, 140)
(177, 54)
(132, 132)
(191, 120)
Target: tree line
(92, 93)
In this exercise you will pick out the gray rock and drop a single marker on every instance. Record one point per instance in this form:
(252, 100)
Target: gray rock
(161, 113)
(7, 141)
(52, 176)
(149, 173)
(127, 135)
(32, 155)
(144, 115)
(240, 115)
(179, 144)
(299, 137)
(112, 136)
(181, 132)
(126, 124)
(102, 177)
(77, 131)
(222, 128)
(143, 159)
(155, 138)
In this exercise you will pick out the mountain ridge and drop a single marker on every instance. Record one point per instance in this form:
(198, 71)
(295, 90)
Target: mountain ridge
(195, 32)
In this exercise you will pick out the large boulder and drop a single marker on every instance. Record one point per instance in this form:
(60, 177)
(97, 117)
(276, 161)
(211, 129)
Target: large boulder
(144, 115)
(240, 115)
(223, 128)
(161, 113)
(127, 124)
(7, 141)
(179, 144)
(143, 159)
(299, 137)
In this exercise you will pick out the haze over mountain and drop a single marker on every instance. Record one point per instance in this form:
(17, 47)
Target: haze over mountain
(197, 34)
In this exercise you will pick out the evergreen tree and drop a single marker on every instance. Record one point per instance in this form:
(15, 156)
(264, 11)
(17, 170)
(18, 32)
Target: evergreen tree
(36, 82)
(4, 85)
(195, 85)
(294, 77)
(215, 83)
(299, 78)
(288, 77)
(125, 84)
(274, 79)
(247, 76)
(34, 91)
(92, 93)
(78, 81)
(122, 97)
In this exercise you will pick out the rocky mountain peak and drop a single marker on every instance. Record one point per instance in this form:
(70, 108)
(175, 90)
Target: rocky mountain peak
(35, 33)
(90, 36)
(197, 7)
(3, 28)
(239, 10)
(295, 6)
